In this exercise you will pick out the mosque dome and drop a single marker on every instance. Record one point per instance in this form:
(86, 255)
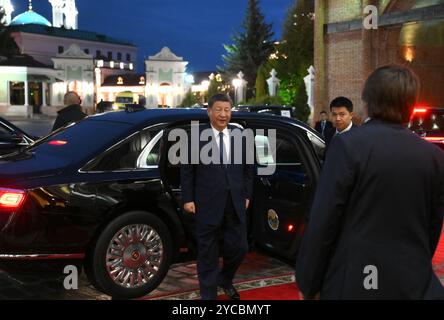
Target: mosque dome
(30, 17)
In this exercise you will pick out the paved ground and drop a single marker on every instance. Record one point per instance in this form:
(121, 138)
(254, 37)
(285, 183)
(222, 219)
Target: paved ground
(41, 281)
(37, 127)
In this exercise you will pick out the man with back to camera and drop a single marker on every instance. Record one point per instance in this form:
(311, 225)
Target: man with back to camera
(342, 115)
(218, 195)
(377, 215)
(71, 113)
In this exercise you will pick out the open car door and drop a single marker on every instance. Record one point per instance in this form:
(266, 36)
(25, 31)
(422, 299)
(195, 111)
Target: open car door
(283, 188)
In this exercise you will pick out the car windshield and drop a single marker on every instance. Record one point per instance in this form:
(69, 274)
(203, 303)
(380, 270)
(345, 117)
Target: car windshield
(430, 122)
(81, 140)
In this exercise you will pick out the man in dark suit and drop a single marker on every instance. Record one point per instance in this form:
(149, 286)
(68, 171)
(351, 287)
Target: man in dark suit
(323, 125)
(341, 110)
(378, 210)
(218, 194)
(71, 113)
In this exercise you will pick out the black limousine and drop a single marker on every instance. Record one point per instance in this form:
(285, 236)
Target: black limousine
(104, 191)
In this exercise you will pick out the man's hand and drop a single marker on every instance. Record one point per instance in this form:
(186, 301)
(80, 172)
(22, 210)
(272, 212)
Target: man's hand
(190, 207)
(247, 203)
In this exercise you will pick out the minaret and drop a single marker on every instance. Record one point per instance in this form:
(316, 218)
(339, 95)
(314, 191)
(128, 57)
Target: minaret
(8, 10)
(57, 12)
(71, 14)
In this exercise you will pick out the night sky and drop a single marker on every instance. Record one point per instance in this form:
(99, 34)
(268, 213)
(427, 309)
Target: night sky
(193, 29)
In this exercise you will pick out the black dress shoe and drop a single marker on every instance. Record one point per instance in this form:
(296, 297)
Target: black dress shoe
(231, 292)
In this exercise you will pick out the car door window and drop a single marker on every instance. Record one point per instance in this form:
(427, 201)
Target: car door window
(150, 155)
(127, 155)
(4, 131)
(264, 154)
(318, 145)
(284, 153)
(11, 138)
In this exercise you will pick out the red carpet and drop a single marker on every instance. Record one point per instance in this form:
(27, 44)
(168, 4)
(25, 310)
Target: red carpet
(287, 291)
(281, 287)
(438, 259)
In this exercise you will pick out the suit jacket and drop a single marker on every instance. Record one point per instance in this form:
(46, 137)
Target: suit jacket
(379, 202)
(67, 115)
(330, 134)
(208, 186)
(318, 127)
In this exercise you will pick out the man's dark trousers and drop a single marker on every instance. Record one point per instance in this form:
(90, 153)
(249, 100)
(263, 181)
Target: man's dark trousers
(219, 193)
(235, 247)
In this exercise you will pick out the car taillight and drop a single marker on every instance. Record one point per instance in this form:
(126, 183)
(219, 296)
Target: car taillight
(419, 110)
(435, 139)
(11, 198)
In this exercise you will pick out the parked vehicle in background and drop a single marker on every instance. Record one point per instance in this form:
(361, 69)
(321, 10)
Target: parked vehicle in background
(125, 98)
(276, 110)
(429, 124)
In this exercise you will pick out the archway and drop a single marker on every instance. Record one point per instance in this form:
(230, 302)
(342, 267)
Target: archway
(165, 95)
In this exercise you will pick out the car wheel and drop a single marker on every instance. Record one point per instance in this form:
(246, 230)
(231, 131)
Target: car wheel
(131, 256)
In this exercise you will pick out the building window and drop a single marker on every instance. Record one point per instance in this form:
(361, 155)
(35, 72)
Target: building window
(17, 93)
(61, 49)
(98, 54)
(128, 57)
(110, 55)
(119, 56)
(87, 51)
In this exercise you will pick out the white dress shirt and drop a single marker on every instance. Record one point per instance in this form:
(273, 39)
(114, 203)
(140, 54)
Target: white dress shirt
(227, 140)
(346, 129)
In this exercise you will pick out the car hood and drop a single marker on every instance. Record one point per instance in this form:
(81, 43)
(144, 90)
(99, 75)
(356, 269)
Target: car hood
(27, 165)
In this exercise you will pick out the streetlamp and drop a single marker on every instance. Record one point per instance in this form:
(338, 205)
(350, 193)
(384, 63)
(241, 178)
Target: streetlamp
(205, 85)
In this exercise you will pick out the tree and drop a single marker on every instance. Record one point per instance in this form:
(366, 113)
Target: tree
(190, 100)
(302, 111)
(295, 54)
(251, 47)
(296, 50)
(261, 81)
(213, 88)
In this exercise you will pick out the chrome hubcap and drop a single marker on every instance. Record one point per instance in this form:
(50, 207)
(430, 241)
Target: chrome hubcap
(134, 256)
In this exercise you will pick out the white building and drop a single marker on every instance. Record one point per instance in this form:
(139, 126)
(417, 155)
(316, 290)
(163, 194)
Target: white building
(165, 77)
(55, 60)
